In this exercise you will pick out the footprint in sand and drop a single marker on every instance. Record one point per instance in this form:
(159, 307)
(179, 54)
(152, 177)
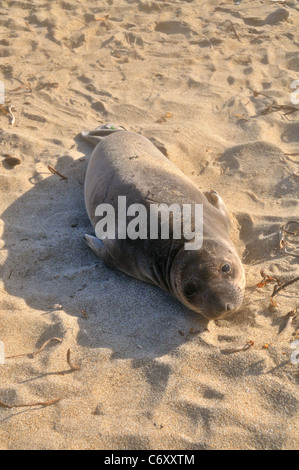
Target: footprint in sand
(281, 14)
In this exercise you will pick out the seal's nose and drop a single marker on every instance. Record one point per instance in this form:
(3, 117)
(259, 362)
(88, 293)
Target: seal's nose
(229, 307)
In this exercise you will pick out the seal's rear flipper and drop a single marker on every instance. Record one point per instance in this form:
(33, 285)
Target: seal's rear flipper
(99, 249)
(217, 201)
(100, 133)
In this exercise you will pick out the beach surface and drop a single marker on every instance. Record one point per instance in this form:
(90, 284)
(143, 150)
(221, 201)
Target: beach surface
(210, 83)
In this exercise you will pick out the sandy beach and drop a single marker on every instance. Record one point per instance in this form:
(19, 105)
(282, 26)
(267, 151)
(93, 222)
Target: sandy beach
(210, 84)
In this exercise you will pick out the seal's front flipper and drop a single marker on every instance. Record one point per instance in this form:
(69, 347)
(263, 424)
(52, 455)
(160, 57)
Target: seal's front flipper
(214, 198)
(100, 133)
(99, 249)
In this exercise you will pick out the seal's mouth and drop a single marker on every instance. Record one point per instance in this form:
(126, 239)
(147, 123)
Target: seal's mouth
(218, 315)
(217, 302)
(207, 288)
(217, 307)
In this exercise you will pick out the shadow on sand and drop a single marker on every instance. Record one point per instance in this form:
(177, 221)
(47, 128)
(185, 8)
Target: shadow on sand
(48, 264)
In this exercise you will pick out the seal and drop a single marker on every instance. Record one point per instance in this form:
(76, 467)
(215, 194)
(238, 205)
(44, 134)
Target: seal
(209, 280)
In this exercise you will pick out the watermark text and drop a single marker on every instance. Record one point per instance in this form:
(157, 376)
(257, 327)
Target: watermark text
(295, 93)
(159, 221)
(2, 93)
(2, 357)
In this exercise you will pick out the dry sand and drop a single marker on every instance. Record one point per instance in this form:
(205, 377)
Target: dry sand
(144, 381)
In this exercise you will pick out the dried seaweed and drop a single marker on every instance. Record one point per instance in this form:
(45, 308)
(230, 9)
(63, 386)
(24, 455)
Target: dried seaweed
(164, 117)
(267, 278)
(285, 108)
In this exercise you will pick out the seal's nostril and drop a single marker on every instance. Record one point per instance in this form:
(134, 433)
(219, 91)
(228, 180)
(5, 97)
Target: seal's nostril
(228, 307)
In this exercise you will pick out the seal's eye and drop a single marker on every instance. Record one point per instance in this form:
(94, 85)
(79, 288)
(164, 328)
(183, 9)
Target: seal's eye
(226, 268)
(190, 290)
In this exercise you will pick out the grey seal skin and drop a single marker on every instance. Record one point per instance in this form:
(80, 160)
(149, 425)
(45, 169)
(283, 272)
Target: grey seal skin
(210, 280)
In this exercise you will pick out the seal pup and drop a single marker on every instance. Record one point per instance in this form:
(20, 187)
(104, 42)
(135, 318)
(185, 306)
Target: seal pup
(209, 280)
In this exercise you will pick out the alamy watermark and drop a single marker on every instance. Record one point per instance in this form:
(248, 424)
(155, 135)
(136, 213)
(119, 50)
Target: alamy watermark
(2, 357)
(295, 93)
(2, 92)
(152, 223)
(295, 100)
(295, 354)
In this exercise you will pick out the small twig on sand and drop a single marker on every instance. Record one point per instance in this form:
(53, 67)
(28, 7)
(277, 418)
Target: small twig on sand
(278, 288)
(234, 29)
(25, 88)
(274, 106)
(68, 358)
(246, 346)
(282, 245)
(46, 344)
(53, 171)
(41, 403)
(18, 355)
(36, 352)
(256, 93)
(203, 35)
(285, 228)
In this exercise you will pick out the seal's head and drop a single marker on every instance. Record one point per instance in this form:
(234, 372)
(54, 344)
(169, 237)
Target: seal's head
(210, 281)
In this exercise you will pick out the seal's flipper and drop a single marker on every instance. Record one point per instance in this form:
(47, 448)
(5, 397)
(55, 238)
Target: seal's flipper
(217, 201)
(99, 249)
(100, 133)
